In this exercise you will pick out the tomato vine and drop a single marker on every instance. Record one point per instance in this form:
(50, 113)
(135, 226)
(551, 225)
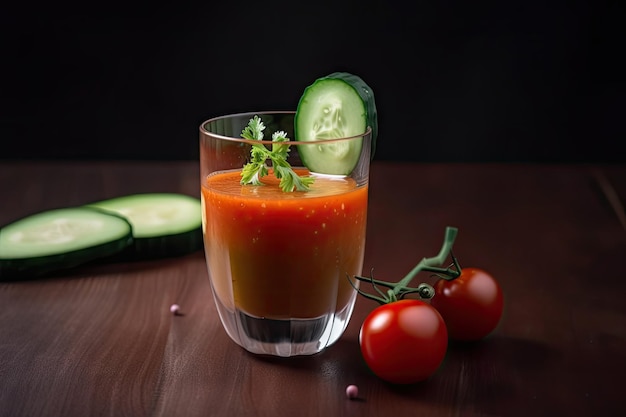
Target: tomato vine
(398, 290)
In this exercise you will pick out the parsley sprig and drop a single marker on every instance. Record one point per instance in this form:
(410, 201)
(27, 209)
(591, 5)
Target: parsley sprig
(259, 154)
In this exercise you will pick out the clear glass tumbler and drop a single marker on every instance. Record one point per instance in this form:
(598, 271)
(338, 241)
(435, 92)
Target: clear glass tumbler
(280, 262)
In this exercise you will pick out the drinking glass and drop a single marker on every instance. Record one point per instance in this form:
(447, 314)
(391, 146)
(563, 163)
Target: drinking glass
(280, 263)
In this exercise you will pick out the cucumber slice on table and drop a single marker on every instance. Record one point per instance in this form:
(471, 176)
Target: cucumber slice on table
(60, 239)
(337, 105)
(164, 224)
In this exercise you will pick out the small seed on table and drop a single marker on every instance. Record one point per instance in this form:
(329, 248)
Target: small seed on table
(352, 391)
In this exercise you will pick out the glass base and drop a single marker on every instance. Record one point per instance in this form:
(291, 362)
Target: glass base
(284, 338)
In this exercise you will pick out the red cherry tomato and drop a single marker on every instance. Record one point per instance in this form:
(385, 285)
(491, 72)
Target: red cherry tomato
(403, 341)
(471, 304)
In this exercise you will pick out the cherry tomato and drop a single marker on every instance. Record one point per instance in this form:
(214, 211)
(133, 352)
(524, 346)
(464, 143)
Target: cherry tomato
(471, 304)
(404, 341)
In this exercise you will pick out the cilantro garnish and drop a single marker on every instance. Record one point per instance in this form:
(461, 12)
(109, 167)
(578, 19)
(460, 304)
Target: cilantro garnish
(259, 154)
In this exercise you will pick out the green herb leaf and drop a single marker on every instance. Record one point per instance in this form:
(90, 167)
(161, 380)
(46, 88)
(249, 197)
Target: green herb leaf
(254, 130)
(259, 154)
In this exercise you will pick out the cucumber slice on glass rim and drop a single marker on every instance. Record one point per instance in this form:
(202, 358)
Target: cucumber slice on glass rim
(60, 239)
(335, 106)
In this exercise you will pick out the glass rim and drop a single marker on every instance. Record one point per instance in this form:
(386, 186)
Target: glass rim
(204, 131)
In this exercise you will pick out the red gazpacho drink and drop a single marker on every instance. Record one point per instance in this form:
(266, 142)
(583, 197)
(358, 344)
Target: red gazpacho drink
(283, 256)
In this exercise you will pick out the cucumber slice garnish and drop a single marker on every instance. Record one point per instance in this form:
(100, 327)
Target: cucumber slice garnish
(164, 224)
(60, 239)
(337, 105)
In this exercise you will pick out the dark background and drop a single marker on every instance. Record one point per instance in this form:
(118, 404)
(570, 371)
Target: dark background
(511, 81)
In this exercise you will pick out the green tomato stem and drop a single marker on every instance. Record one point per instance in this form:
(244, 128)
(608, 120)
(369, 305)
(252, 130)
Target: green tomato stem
(423, 289)
(448, 273)
(429, 263)
(380, 300)
(399, 289)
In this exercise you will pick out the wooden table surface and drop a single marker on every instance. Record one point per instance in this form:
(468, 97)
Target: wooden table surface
(101, 341)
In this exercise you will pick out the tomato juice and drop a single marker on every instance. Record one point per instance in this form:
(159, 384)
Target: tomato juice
(281, 255)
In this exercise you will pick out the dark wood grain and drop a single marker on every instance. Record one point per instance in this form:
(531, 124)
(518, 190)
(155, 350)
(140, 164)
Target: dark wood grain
(100, 340)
